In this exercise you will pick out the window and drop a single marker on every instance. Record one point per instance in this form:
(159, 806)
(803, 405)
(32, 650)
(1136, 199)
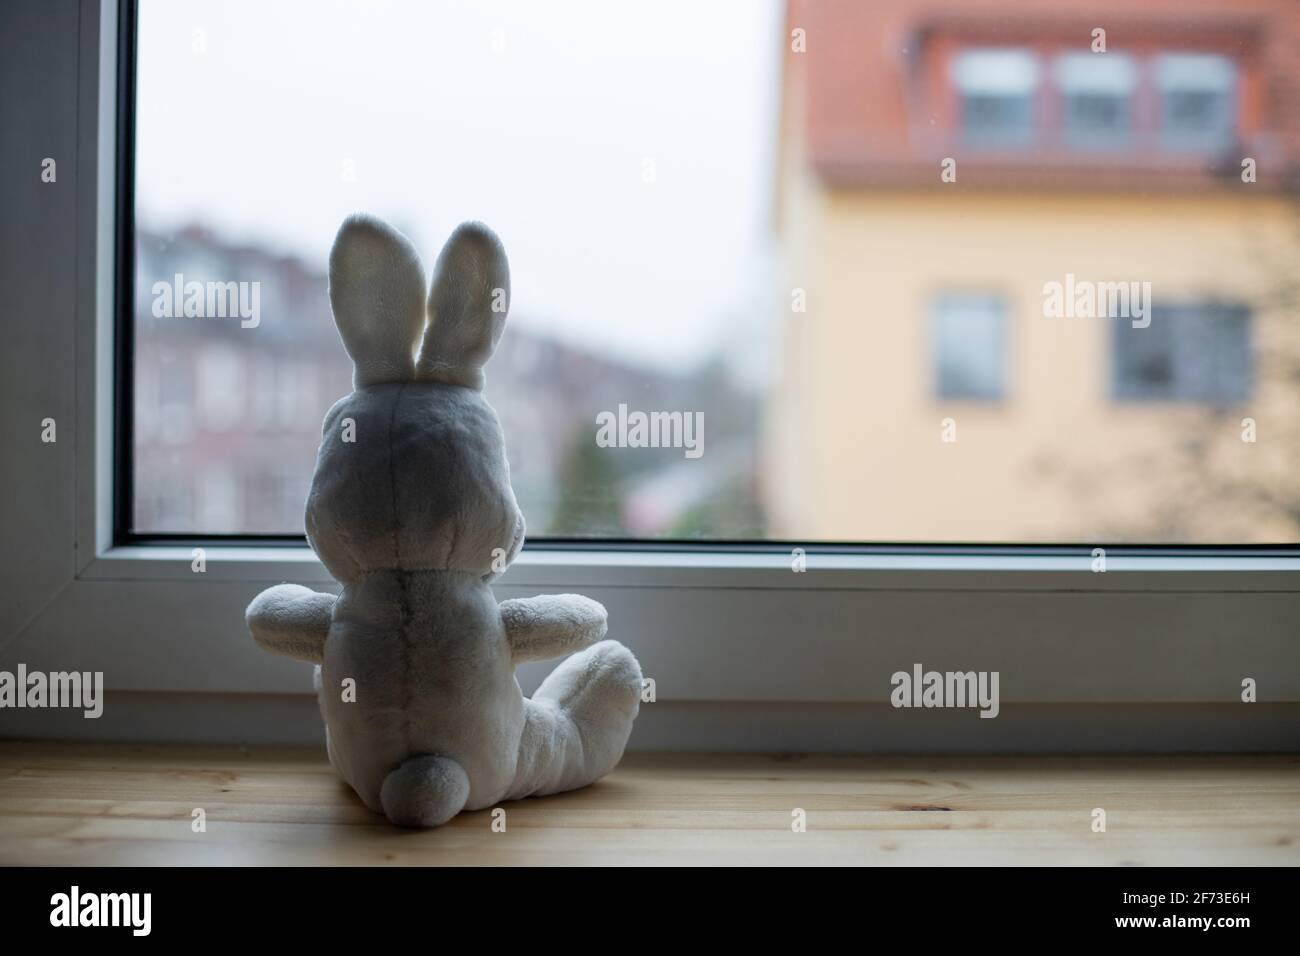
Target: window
(1097, 98)
(916, 550)
(1189, 353)
(970, 347)
(996, 90)
(642, 250)
(1197, 108)
(614, 304)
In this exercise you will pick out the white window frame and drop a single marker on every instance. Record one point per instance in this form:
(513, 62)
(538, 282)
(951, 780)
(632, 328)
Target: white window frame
(745, 652)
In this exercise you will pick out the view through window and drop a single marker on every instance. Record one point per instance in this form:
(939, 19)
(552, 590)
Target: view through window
(917, 272)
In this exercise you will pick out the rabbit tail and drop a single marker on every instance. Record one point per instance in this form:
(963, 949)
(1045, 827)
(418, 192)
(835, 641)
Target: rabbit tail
(424, 791)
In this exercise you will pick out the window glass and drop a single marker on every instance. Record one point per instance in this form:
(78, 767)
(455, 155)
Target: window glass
(996, 90)
(910, 272)
(1097, 98)
(621, 159)
(1196, 99)
(970, 347)
(1199, 352)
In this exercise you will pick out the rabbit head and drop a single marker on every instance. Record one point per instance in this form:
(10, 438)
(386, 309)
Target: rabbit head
(412, 471)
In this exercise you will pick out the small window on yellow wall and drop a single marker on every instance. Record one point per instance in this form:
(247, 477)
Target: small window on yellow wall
(970, 347)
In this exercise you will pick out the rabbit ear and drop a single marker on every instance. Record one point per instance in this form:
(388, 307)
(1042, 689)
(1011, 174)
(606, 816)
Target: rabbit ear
(377, 292)
(467, 307)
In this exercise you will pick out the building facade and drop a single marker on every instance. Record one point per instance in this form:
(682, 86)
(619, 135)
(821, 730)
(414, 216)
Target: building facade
(1042, 265)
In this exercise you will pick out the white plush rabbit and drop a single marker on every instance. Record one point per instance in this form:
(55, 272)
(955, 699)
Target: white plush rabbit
(411, 510)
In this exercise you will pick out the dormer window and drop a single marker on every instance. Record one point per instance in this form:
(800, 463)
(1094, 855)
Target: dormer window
(996, 89)
(1043, 98)
(1197, 96)
(1097, 91)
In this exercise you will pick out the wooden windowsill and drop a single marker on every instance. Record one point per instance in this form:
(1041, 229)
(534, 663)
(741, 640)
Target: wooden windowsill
(82, 804)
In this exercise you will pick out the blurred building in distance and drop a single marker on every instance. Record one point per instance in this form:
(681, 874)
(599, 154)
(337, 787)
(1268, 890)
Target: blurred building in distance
(227, 418)
(941, 165)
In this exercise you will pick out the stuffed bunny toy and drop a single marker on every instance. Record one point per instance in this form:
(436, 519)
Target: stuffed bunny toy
(411, 510)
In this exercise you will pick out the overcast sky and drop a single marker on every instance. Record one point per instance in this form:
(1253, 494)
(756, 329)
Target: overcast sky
(536, 117)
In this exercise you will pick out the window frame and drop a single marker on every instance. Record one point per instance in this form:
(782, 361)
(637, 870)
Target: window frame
(745, 651)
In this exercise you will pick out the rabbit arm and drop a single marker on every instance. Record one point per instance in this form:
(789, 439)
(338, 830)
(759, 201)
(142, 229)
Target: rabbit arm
(551, 625)
(291, 620)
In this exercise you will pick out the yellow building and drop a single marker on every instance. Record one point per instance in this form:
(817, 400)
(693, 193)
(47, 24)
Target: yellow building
(928, 201)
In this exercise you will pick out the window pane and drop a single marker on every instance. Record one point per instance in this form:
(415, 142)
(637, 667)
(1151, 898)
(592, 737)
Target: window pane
(1198, 352)
(1097, 95)
(969, 346)
(996, 88)
(617, 159)
(920, 273)
(1196, 100)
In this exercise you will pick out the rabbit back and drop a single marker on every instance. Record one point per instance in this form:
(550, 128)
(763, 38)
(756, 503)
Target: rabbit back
(431, 674)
